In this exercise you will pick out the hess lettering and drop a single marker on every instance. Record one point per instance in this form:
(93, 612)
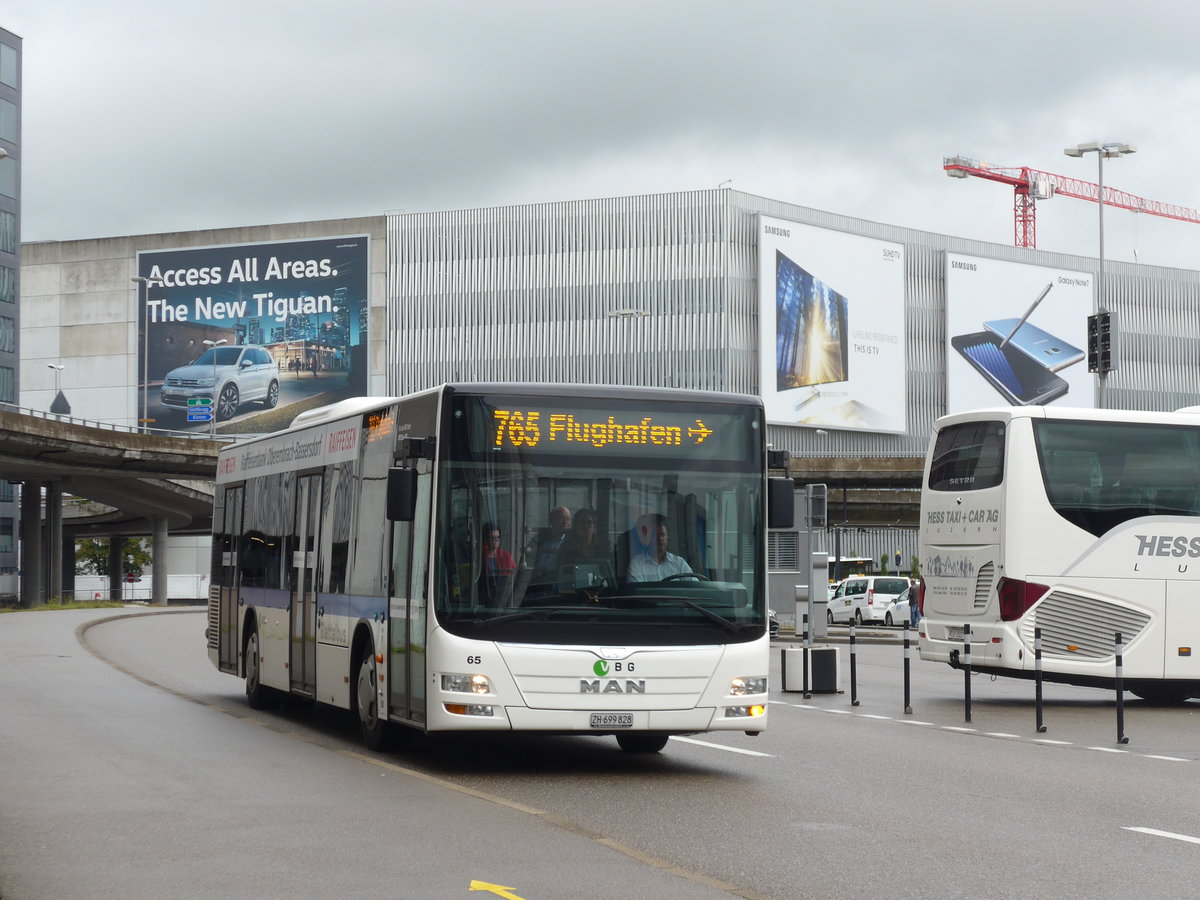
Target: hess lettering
(1167, 545)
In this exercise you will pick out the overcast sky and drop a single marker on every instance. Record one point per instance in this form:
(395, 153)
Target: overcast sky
(143, 117)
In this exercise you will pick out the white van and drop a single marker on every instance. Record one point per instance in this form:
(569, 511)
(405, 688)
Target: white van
(865, 598)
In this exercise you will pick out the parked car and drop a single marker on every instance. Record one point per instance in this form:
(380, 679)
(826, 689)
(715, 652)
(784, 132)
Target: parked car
(229, 376)
(899, 611)
(865, 598)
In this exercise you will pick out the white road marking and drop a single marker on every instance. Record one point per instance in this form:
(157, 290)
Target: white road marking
(718, 746)
(1167, 758)
(959, 728)
(1167, 834)
(913, 722)
(882, 718)
(1055, 743)
(1107, 750)
(1002, 734)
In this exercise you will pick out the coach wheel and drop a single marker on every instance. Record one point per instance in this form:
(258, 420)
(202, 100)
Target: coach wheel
(258, 695)
(366, 702)
(1162, 694)
(641, 743)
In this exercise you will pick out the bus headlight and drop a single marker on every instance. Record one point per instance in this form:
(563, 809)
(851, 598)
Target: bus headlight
(740, 686)
(467, 684)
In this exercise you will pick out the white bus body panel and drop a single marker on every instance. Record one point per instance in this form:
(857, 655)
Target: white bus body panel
(547, 688)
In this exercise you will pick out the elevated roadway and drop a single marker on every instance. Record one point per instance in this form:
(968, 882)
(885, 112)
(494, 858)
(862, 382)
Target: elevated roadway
(144, 483)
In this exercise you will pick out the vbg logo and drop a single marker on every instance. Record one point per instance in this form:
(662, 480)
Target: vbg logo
(600, 667)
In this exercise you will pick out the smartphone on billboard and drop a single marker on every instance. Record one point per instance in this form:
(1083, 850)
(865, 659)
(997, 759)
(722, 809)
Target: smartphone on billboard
(1040, 346)
(1016, 377)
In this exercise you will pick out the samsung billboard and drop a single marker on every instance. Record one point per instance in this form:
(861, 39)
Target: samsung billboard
(831, 328)
(241, 338)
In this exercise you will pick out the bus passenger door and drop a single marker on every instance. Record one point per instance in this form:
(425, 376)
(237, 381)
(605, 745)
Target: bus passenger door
(408, 607)
(302, 657)
(227, 626)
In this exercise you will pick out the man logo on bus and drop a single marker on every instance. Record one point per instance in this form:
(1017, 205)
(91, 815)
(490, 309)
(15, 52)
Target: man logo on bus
(601, 667)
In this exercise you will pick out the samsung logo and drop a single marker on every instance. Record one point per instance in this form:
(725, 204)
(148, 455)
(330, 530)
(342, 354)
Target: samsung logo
(782, 232)
(970, 267)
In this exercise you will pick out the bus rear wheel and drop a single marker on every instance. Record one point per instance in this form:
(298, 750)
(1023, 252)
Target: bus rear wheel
(372, 727)
(641, 743)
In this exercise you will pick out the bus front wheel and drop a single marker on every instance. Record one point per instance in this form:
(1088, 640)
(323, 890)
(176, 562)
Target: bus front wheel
(258, 695)
(641, 743)
(372, 727)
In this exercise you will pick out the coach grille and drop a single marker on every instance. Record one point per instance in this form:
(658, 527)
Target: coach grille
(1075, 627)
(984, 582)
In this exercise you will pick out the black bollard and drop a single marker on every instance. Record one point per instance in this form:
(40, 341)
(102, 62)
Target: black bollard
(1121, 738)
(804, 676)
(907, 684)
(853, 669)
(967, 670)
(1037, 677)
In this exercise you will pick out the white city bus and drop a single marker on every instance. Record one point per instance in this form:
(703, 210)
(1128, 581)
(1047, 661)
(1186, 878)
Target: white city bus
(349, 563)
(1081, 522)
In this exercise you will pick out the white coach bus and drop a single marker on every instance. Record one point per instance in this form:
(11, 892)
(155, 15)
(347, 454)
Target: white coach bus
(405, 558)
(1081, 522)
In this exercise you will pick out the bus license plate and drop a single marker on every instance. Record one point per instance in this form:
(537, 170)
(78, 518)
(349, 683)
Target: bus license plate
(954, 633)
(612, 720)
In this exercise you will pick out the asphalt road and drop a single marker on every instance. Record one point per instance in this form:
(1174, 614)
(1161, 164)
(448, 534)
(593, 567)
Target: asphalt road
(133, 769)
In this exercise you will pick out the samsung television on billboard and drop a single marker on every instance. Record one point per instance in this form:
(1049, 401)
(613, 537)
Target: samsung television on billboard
(241, 338)
(1015, 334)
(831, 328)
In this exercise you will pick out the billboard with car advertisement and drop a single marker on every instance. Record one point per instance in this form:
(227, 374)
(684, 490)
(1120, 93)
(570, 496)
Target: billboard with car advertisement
(241, 338)
(1015, 335)
(831, 328)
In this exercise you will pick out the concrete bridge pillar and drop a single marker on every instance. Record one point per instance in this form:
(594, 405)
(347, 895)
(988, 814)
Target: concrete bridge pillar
(53, 542)
(158, 560)
(115, 562)
(32, 590)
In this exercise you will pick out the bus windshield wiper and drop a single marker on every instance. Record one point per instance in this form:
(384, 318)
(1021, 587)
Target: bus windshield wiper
(731, 627)
(531, 613)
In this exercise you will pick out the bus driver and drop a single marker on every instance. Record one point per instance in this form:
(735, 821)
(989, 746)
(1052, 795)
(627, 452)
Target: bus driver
(656, 563)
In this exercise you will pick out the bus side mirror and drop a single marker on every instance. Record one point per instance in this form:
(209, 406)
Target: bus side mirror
(401, 494)
(781, 505)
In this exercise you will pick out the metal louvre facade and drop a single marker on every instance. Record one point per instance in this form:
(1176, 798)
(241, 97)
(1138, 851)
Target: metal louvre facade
(662, 289)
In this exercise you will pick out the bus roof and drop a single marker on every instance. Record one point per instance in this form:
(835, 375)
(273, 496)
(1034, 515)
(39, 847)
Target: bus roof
(1188, 415)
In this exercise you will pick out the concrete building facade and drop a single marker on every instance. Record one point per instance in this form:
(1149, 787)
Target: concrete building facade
(10, 281)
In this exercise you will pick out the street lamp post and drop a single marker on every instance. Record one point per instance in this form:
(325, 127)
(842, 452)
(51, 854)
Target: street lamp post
(212, 422)
(1102, 149)
(145, 282)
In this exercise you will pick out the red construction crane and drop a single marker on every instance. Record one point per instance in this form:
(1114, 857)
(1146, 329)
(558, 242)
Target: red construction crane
(1030, 185)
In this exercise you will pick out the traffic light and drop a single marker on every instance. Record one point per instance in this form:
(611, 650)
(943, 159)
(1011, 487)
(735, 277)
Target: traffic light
(1101, 348)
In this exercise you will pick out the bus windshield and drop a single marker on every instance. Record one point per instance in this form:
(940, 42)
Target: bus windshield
(1100, 474)
(613, 523)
